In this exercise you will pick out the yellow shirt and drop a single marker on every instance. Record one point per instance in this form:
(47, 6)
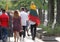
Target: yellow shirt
(33, 7)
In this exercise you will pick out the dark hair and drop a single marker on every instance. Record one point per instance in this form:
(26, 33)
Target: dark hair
(22, 9)
(26, 9)
(3, 10)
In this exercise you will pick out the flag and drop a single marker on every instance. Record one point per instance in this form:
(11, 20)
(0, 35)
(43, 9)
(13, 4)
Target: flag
(33, 16)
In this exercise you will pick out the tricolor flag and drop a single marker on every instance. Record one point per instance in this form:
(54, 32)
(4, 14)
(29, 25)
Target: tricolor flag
(33, 16)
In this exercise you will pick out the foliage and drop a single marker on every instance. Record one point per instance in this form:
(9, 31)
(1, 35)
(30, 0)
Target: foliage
(50, 31)
(3, 4)
(17, 4)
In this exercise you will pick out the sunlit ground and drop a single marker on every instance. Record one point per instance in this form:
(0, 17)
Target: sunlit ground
(27, 39)
(58, 39)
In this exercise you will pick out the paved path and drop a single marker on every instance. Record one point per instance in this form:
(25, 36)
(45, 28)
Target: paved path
(27, 39)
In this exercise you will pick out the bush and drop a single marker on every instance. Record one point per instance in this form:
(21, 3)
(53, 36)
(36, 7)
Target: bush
(50, 31)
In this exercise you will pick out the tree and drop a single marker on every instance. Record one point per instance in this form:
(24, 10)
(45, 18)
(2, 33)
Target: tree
(3, 4)
(58, 11)
(50, 10)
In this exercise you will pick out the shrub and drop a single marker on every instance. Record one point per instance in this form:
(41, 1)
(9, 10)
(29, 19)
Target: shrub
(50, 31)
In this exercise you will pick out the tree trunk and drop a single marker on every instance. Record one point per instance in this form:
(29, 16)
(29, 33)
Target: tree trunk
(58, 11)
(40, 15)
(50, 11)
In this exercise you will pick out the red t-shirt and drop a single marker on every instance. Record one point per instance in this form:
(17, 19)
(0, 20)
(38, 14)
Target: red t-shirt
(4, 20)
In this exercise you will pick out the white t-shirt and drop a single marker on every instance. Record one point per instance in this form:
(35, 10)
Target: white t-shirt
(24, 18)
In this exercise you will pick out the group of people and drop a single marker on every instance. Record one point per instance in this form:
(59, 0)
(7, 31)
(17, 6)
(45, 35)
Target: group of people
(18, 22)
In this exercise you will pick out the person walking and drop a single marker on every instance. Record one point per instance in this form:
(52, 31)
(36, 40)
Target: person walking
(16, 25)
(27, 22)
(33, 19)
(4, 21)
(24, 19)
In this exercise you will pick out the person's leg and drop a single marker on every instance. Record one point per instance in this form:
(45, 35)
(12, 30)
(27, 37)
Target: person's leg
(4, 35)
(14, 36)
(28, 31)
(24, 32)
(31, 30)
(27, 28)
(17, 36)
(34, 32)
